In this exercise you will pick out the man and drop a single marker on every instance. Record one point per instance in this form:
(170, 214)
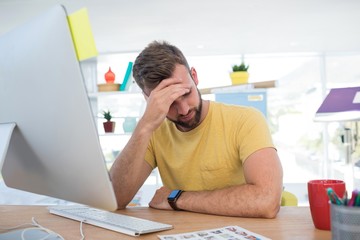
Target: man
(213, 158)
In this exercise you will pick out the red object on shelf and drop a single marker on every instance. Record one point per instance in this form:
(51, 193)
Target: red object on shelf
(109, 126)
(110, 76)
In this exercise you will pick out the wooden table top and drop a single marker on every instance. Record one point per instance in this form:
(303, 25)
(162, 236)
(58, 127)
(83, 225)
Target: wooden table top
(290, 223)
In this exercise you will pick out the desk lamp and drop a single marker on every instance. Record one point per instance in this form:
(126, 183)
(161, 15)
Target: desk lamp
(342, 105)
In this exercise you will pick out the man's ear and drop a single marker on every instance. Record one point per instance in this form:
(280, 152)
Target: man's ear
(194, 75)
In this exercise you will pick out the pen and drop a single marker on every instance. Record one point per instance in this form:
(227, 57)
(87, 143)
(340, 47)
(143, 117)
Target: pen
(357, 200)
(345, 198)
(354, 195)
(333, 197)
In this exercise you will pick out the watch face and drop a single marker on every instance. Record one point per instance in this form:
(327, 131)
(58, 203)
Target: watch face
(174, 194)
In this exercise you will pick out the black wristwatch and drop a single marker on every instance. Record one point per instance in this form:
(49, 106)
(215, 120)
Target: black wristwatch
(173, 197)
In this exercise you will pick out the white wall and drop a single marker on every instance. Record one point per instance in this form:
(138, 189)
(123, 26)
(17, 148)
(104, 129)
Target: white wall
(210, 27)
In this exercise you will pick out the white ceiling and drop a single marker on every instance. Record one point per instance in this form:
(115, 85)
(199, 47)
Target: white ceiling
(209, 27)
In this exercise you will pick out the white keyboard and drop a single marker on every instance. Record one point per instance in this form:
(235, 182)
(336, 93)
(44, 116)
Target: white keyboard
(113, 221)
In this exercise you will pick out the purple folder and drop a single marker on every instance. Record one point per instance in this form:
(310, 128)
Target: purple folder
(341, 104)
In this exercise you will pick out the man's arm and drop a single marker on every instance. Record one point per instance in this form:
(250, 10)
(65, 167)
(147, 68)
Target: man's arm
(259, 197)
(130, 169)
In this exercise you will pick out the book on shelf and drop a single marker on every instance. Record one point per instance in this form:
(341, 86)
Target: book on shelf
(126, 82)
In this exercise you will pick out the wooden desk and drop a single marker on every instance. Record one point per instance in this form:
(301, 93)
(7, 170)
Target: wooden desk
(291, 223)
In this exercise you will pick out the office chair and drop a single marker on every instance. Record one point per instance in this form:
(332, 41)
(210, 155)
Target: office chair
(288, 199)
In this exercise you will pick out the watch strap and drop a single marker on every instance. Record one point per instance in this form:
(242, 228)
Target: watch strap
(172, 201)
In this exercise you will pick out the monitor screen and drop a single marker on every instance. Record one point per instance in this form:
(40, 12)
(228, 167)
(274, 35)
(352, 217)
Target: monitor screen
(49, 144)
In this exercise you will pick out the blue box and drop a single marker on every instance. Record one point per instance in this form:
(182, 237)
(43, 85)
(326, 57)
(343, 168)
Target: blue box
(257, 99)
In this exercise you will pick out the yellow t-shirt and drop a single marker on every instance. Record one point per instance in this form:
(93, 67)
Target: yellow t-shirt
(211, 156)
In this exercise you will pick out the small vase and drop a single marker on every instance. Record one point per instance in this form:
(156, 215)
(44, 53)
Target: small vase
(129, 124)
(110, 76)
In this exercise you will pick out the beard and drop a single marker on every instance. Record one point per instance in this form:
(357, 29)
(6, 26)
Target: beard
(193, 122)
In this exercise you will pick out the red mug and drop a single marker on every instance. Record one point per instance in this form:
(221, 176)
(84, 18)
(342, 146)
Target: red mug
(319, 200)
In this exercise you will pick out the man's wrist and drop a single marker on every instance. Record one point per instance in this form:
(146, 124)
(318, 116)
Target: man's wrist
(173, 198)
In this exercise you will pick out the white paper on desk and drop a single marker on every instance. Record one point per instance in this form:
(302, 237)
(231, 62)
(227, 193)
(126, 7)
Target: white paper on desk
(225, 233)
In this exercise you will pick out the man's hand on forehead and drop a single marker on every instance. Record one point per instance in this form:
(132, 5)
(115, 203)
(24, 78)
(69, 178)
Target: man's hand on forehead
(160, 99)
(172, 83)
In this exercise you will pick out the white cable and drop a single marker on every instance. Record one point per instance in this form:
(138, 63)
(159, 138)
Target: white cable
(15, 227)
(46, 230)
(33, 226)
(81, 230)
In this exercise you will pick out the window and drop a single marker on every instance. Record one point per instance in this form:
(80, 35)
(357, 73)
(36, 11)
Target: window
(308, 149)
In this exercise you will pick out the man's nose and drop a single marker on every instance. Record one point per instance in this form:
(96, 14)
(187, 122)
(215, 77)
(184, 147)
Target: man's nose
(182, 107)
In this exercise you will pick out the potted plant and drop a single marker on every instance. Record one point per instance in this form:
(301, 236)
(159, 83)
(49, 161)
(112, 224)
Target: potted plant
(109, 126)
(239, 74)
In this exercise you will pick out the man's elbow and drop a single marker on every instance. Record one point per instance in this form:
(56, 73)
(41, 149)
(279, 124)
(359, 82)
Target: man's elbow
(119, 207)
(271, 209)
(121, 204)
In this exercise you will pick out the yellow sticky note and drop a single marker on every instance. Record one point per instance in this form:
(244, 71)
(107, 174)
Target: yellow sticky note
(82, 35)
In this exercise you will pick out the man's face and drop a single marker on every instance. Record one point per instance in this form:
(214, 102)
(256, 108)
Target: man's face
(185, 111)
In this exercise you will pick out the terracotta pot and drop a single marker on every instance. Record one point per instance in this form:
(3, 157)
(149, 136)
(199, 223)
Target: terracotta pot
(109, 126)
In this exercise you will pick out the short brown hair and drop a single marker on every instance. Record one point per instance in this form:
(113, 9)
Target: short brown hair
(156, 63)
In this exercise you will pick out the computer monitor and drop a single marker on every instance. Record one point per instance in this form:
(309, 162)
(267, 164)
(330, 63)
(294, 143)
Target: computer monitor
(49, 142)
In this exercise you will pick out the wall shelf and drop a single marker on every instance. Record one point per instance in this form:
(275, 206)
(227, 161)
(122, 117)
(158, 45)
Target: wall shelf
(114, 134)
(111, 93)
(239, 87)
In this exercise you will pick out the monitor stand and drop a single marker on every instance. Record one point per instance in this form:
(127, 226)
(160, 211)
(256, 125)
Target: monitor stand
(6, 131)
